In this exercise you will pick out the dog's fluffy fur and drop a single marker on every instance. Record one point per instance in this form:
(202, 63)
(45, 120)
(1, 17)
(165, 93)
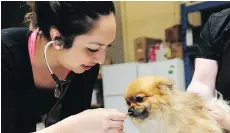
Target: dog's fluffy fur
(155, 106)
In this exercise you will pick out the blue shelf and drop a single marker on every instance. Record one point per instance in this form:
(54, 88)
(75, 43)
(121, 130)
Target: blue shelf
(184, 23)
(205, 5)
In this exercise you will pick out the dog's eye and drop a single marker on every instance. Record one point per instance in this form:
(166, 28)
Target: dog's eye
(139, 99)
(128, 103)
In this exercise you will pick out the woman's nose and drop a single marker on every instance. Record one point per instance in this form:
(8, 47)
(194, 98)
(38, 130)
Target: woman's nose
(99, 57)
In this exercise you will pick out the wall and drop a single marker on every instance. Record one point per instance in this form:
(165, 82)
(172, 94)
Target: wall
(146, 19)
(116, 52)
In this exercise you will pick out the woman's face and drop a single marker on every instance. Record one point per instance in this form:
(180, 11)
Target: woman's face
(89, 49)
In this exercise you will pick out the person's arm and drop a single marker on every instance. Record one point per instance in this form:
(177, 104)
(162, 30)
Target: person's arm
(220, 111)
(204, 78)
(79, 94)
(210, 53)
(63, 126)
(206, 65)
(227, 123)
(11, 111)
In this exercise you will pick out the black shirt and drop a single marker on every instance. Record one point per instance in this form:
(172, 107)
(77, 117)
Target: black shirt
(215, 45)
(22, 102)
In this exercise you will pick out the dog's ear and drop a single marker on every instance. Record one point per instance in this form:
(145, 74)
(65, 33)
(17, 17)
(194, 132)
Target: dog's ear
(165, 83)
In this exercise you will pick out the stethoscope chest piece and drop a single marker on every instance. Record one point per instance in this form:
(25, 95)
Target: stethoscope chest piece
(57, 92)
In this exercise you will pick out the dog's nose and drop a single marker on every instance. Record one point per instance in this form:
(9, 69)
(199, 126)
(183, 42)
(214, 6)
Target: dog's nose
(131, 110)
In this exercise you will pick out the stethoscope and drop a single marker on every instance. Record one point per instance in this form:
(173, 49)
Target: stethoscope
(60, 90)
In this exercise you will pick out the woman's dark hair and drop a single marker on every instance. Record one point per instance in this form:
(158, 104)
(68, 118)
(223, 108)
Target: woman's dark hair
(71, 18)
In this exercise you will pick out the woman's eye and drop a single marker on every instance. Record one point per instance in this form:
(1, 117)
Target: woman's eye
(109, 45)
(92, 50)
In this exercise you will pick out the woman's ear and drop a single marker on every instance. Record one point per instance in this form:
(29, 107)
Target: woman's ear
(54, 34)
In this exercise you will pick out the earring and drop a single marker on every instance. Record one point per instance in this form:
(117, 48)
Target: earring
(40, 32)
(58, 47)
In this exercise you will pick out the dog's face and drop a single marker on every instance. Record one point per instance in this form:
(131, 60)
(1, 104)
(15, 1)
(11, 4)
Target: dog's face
(146, 96)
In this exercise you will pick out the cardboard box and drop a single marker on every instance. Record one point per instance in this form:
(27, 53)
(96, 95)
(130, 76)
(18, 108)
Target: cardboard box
(194, 18)
(177, 50)
(142, 46)
(173, 34)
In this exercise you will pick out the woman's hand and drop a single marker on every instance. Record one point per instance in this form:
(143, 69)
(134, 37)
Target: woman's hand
(219, 114)
(201, 90)
(101, 121)
(90, 121)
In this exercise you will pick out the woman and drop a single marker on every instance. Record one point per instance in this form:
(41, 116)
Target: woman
(54, 64)
(212, 66)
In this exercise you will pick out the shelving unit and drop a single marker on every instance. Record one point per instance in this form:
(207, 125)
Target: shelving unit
(184, 22)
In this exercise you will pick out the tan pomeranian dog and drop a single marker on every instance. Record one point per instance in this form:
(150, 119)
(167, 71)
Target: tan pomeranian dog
(155, 106)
